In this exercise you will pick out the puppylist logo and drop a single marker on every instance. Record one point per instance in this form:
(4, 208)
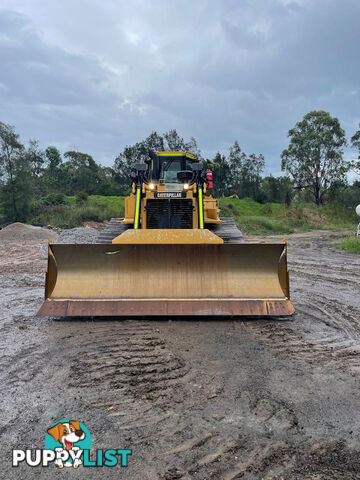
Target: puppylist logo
(68, 444)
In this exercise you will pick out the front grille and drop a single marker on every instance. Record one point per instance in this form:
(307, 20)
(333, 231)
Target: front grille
(169, 213)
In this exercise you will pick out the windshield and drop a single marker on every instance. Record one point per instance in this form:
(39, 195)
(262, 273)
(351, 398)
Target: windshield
(170, 166)
(169, 169)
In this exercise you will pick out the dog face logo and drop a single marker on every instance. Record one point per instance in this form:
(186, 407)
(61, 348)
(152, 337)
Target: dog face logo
(67, 433)
(68, 438)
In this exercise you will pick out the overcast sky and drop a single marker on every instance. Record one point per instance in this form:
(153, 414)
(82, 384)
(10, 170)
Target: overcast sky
(96, 75)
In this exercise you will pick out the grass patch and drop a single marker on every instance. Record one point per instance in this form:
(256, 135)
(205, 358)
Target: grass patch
(74, 213)
(273, 218)
(111, 205)
(262, 225)
(350, 245)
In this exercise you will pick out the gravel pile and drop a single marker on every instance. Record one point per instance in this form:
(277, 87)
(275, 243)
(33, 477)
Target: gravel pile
(78, 235)
(20, 232)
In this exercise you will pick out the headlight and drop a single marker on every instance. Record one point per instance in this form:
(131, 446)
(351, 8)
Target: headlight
(151, 186)
(186, 186)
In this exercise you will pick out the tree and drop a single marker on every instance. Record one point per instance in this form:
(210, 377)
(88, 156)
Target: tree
(11, 152)
(108, 185)
(55, 178)
(83, 172)
(345, 194)
(314, 157)
(34, 163)
(53, 157)
(173, 141)
(245, 172)
(277, 189)
(355, 142)
(35, 157)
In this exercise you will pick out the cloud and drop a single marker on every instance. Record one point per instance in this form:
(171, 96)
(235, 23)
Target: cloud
(100, 75)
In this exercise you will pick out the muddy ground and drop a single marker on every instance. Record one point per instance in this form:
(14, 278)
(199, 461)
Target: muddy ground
(229, 399)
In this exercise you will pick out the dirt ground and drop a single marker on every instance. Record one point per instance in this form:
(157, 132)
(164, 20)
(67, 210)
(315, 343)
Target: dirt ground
(208, 399)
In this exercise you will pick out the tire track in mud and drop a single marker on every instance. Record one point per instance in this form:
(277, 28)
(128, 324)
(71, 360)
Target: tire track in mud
(211, 451)
(127, 372)
(347, 271)
(270, 451)
(27, 258)
(325, 333)
(283, 340)
(20, 360)
(274, 460)
(329, 277)
(340, 335)
(321, 460)
(129, 359)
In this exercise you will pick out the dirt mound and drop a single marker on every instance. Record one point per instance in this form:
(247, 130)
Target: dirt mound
(78, 235)
(22, 233)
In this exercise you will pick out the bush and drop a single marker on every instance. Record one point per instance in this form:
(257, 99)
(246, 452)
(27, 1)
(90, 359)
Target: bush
(350, 245)
(74, 212)
(267, 210)
(53, 199)
(229, 210)
(81, 197)
(296, 212)
(108, 189)
(263, 225)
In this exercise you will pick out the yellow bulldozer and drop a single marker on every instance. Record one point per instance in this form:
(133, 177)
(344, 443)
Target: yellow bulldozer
(172, 255)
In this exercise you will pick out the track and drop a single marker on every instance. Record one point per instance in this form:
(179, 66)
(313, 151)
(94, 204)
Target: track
(112, 230)
(228, 230)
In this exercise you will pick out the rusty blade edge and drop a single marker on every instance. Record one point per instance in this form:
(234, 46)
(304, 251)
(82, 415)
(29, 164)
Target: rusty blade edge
(152, 308)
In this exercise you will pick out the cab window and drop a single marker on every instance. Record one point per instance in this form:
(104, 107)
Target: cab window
(170, 166)
(169, 169)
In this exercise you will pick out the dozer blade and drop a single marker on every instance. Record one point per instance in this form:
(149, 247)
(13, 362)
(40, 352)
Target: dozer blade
(167, 279)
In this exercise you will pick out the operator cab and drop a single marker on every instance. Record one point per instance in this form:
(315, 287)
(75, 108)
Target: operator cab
(171, 167)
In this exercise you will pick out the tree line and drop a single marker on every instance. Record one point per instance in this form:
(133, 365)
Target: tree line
(314, 169)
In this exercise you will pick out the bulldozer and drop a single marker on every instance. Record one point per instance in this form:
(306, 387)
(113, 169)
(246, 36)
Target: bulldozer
(171, 255)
